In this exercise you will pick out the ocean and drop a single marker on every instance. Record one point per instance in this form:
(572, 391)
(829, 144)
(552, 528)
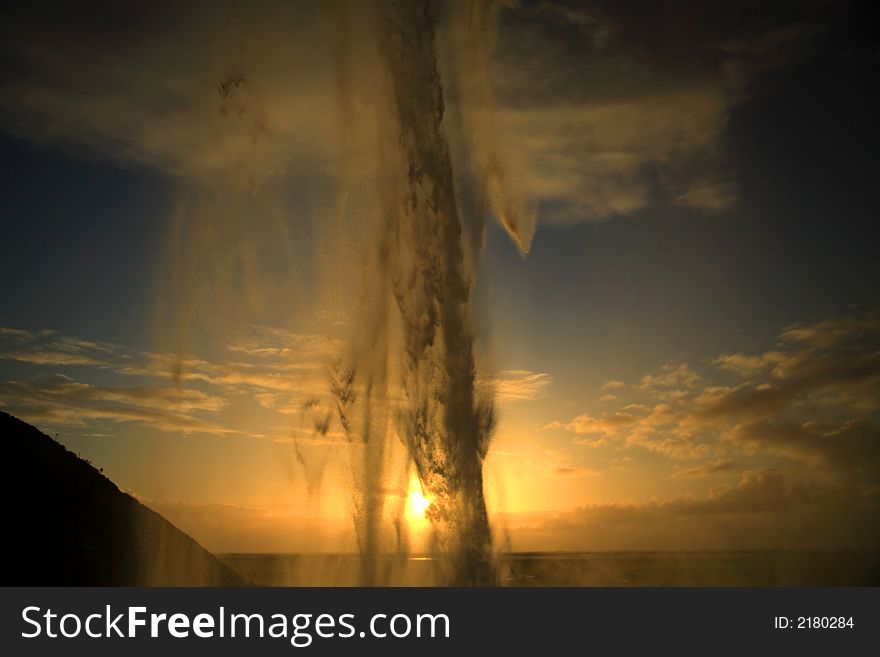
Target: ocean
(728, 568)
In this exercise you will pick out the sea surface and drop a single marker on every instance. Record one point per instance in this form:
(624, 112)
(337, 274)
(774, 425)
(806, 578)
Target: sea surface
(744, 568)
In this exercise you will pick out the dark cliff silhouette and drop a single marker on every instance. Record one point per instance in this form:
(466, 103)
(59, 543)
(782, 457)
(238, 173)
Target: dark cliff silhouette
(70, 525)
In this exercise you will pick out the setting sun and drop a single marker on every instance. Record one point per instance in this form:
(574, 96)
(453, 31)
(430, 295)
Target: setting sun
(333, 290)
(417, 503)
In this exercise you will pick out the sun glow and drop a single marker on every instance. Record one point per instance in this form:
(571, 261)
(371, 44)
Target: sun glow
(418, 504)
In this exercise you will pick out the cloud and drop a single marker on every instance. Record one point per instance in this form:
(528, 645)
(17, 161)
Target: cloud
(605, 114)
(59, 400)
(270, 358)
(275, 369)
(613, 384)
(59, 414)
(748, 365)
(273, 342)
(830, 332)
(596, 160)
(598, 112)
(156, 398)
(764, 510)
(853, 448)
(672, 375)
(576, 471)
(746, 62)
(814, 400)
(282, 374)
(723, 465)
(246, 91)
(635, 425)
(520, 385)
(708, 195)
(48, 347)
(586, 424)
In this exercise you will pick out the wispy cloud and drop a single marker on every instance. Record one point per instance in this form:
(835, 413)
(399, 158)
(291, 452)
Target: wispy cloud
(275, 368)
(284, 375)
(723, 465)
(520, 385)
(587, 162)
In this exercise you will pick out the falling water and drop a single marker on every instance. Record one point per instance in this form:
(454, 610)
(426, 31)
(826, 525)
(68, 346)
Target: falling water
(423, 283)
(445, 426)
(409, 375)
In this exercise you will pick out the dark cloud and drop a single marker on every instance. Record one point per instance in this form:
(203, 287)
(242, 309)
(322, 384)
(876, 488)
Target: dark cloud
(604, 108)
(613, 107)
(139, 83)
(763, 511)
(815, 399)
(589, 51)
(853, 448)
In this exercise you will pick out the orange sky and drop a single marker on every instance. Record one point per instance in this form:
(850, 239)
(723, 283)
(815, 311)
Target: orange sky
(674, 293)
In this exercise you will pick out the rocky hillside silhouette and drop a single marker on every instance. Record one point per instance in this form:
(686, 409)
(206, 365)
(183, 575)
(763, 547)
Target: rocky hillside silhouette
(72, 526)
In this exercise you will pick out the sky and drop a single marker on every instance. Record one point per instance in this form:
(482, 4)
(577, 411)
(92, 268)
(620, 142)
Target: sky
(675, 298)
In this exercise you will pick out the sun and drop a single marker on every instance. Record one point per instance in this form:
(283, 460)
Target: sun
(417, 504)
